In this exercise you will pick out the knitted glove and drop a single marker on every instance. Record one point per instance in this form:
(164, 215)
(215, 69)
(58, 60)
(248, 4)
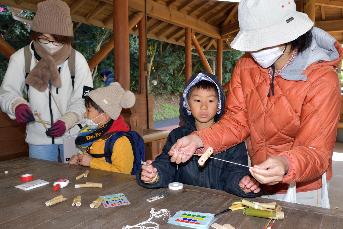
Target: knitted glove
(57, 129)
(23, 114)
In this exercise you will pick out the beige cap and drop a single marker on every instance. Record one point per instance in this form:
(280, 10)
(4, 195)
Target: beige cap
(53, 17)
(112, 99)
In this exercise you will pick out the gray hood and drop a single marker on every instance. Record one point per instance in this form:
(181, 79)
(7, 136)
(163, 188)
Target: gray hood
(322, 49)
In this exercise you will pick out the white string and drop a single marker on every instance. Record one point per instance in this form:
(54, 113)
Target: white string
(230, 162)
(148, 224)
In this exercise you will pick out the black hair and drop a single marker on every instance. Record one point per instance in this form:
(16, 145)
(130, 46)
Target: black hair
(90, 103)
(203, 84)
(303, 42)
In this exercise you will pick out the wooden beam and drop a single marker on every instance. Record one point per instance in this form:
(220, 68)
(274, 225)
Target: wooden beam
(142, 57)
(327, 3)
(218, 15)
(157, 27)
(175, 17)
(176, 33)
(164, 30)
(187, 3)
(135, 19)
(230, 16)
(212, 42)
(219, 59)
(330, 26)
(229, 29)
(171, 2)
(188, 53)
(201, 55)
(202, 40)
(108, 46)
(322, 11)
(213, 8)
(310, 9)
(197, 8)
(300, 5)
(121, 43)
(99, 8)
(205, 11)
(5, 48)
(75, 5)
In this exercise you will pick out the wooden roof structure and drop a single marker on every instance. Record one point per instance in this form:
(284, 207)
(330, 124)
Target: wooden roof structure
(166, 18)
(209, 19)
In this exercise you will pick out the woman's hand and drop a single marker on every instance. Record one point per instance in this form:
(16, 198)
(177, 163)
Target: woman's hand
(149, 172)
(270, 171)
(184, 148)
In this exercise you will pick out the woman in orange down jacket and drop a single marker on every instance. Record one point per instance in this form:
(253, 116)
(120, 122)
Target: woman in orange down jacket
(284, 100)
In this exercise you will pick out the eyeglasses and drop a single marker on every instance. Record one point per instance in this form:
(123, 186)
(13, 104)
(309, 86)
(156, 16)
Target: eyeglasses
(45, 40)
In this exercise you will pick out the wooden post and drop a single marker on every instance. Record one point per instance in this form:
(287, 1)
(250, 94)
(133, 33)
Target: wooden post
(201, 55)
(6, 49)
(121, 43)
(310, 9)
(219, 68)
(107, 47)
(142, 58)
(188, 53)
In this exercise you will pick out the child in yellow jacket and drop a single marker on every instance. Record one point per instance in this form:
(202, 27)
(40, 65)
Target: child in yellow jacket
(103, 119)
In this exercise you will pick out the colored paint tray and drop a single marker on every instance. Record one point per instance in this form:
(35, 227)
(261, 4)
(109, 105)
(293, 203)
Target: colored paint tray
(192, 219)
(114, 200)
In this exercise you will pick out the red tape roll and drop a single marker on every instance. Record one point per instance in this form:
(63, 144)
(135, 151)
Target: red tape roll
(26, 178)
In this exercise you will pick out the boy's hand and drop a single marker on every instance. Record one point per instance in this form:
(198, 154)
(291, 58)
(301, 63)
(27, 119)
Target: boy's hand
(85, 159)
(74, 160)
(149, 172)
(249, 184)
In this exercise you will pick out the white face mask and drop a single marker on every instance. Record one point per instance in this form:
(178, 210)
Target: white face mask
(51, 48)
(86, 122)
(267, 57)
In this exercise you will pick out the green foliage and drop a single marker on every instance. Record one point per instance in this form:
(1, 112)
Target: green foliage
(166, 62)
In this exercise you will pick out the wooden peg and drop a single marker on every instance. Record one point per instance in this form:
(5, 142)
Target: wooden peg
(76, 201)
(205, 156)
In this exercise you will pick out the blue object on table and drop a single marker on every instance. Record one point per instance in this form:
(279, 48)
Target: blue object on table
(192, 219)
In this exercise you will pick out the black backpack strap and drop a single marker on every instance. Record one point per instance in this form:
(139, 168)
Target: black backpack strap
(71, 65)
(27, 57)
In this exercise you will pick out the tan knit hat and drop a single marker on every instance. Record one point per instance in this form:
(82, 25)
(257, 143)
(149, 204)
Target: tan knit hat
(53, 17)
(112, 99)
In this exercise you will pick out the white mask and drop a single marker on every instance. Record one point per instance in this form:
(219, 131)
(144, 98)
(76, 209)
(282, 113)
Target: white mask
(51, 48)
(267, 57)
(89, 123)
(86, 122)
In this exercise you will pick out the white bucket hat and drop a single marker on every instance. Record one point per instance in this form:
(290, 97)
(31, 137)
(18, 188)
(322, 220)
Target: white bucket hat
(267, 23)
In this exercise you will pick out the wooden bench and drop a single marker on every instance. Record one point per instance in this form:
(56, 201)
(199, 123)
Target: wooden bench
(154, 141)
(12, 139)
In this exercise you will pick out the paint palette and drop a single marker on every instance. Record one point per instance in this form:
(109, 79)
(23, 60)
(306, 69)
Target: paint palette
(114, 200)
(192, 219)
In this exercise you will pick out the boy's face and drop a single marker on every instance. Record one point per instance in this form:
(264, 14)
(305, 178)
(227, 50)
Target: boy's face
(203, 104)
(93, 114)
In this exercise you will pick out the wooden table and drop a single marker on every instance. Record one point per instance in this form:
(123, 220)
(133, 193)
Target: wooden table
(20, 209)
